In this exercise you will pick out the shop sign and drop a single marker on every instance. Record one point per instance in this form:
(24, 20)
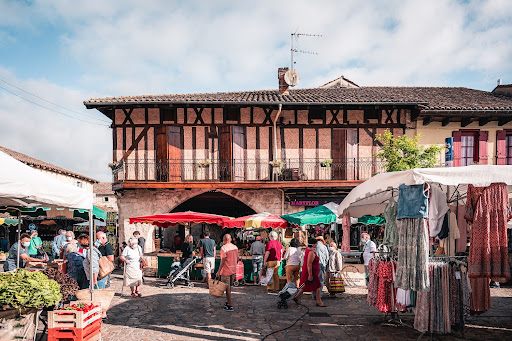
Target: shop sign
(448, 155)
(32, 226)
(313, 201)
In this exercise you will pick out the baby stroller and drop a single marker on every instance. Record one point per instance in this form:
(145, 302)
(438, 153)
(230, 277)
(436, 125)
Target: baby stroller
(239, 276)
(289, 291)
(182, 273)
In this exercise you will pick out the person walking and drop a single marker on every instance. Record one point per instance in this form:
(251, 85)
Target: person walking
(93, 256)
(293, 257)
(369, 250)
(323, 255)
(35, 250)
(272, 259)
(131, 257)
(207, 253)
(20, 247)
(334, 266)
(227, 268)
(141, 241)
(106, 249)
(257, 253)
(310, 274)
(57, 243)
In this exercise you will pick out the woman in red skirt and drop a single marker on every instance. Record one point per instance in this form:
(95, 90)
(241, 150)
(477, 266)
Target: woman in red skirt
(309, 274)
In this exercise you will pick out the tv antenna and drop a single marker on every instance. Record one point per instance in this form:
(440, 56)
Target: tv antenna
(292, 77)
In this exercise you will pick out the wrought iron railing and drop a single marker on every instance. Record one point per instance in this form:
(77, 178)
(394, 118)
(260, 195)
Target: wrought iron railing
(247, 170)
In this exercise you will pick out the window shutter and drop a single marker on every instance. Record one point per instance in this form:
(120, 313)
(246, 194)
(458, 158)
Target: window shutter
(483, 137)
(456, 148)
(501, 147)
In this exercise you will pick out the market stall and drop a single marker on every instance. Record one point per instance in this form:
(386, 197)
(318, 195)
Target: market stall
(444, 286)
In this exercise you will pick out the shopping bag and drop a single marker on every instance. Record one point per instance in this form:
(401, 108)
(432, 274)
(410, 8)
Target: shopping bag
(106, 267)
(336, 284)
(266, 279)
(216, 287)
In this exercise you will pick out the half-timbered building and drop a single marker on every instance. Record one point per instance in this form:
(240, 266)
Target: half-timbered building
(280, 151)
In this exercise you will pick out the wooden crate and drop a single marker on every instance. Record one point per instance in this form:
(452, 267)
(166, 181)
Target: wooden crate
(73, 318)
(91, 332)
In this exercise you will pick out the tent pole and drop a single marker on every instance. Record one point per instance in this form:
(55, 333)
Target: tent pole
(19, 241)
(91, 245)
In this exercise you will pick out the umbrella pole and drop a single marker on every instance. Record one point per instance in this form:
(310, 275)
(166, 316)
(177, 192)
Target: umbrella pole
(91, 245)
(19, 241)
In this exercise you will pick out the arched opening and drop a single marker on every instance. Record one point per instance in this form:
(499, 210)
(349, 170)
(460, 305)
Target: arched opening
(215, 203)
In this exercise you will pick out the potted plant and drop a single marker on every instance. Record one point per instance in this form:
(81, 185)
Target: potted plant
(326, 163)
(204, 164)
(278, 165)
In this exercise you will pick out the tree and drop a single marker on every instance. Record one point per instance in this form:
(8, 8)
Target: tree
(402, 153)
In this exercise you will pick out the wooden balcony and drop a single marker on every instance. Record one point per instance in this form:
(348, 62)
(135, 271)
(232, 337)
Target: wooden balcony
(290, 173)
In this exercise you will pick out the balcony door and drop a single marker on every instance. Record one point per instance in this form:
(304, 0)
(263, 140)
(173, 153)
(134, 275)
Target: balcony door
(168, 153)
(231, 153)
(344, 154)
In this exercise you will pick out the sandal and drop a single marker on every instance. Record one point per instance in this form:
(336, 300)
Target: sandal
(134, 295)
(138, 294)
(321, 305)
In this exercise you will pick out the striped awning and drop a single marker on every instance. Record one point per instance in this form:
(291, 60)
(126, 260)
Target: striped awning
(260, 220)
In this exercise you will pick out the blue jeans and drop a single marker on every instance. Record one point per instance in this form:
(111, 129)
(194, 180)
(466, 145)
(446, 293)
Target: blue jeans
(101, 283)
(257, 265)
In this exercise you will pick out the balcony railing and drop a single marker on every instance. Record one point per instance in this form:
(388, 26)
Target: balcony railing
(247, 170)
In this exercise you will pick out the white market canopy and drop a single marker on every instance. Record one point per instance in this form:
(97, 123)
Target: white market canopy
(371, 196)
(22, 185)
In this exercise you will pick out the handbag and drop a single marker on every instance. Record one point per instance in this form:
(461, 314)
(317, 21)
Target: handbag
(143, 263)
(268, 277)
(216, 287)
(106, 267)
(336, 284)
(40, 251)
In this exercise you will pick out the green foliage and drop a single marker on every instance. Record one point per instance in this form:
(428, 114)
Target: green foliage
(402, 153)
(24, 289)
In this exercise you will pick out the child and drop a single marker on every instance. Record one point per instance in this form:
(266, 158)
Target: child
(175, 265)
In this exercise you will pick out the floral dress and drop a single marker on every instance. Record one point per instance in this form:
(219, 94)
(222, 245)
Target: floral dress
(373, 282)
(385, 295)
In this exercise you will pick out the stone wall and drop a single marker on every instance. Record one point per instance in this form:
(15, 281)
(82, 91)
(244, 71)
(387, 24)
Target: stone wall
(142, 202)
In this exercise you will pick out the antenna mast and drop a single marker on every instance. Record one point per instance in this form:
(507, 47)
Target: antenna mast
(294, 50)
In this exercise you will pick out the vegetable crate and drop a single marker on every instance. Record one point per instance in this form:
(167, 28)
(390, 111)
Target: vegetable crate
(74, 325)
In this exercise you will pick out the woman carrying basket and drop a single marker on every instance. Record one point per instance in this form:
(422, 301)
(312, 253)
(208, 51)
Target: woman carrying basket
(334, 267)
(132, 256)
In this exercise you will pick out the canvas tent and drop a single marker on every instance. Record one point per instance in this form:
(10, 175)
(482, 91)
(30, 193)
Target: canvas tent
(324, 214)
(372, 196)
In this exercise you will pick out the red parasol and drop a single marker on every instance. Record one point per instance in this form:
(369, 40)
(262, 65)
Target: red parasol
(188, 218)
(263, 220)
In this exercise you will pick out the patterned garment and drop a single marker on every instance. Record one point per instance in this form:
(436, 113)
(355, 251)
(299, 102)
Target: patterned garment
(345, 241)
(480, 295)
(413, 248)
(391, 229)
(422, 312)
(488, 209)
(385, 295)
(373, 283)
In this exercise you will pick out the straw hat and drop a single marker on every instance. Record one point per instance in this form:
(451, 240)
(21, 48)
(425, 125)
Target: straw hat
(321, 239)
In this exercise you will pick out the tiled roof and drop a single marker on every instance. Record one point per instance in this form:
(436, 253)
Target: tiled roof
(340, 82)
(36, 163)
(433, 98)
(103, 188)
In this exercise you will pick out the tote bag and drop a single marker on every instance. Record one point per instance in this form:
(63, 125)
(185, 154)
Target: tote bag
(216, 287)
(336, 284)
(106, 267)
(266, 279)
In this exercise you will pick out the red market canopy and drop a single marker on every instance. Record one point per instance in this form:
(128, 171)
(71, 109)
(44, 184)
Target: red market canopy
(260, 220)
(188, 218)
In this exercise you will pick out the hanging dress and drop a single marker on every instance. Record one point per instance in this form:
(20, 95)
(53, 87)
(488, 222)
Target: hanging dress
(488, 209)
(373, 282)
(391, 229)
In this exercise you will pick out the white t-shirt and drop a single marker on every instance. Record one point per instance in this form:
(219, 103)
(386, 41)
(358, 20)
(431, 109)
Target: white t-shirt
(369, 246)
(132, 255)
(292, 256)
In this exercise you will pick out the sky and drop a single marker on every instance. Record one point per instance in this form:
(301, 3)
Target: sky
(54, 54)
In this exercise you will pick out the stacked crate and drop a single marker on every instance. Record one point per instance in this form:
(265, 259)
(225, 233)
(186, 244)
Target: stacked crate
(73, 325)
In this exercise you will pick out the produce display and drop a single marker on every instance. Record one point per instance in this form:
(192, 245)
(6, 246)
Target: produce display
(81, 307)
(23, 289)
(68, 286)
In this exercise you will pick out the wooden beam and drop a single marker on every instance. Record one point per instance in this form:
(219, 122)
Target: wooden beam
(427, 120)
(483, 121)
(504, 120)
(135, 143)
(465, 121)
(238, 185)
(446, 121)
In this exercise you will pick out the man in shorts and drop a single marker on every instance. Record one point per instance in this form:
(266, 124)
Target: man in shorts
(207, 253)
(227, 268)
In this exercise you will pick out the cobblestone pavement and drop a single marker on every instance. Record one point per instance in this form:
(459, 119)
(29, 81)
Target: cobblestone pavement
(192, 314)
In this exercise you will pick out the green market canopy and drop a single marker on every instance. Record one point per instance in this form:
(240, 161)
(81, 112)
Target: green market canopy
(372, 219)
(325, 214)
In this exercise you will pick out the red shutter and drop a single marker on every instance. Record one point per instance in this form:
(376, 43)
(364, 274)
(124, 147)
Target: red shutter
(483, 137)
(456, 148)
(501, 147)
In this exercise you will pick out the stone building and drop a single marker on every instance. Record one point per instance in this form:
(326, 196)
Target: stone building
(105, 196)
(280, 151)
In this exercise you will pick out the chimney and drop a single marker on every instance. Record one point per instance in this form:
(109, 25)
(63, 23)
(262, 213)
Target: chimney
(499, 81)
(283, 87)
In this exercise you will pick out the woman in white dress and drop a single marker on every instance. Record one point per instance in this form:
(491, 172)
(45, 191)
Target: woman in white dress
(131, 257)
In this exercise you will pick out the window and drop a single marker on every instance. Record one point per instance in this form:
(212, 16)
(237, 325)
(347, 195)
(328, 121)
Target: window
(168, 114)
(468, 148)
(232, 114)
(106, 199)
(509, 147)
(316, 114)
(79, 184)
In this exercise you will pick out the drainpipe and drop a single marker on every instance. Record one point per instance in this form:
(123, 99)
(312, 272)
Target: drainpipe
(282, 200)
(280, 106)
